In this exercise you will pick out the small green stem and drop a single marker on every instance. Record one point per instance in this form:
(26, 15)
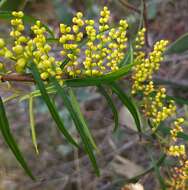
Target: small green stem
(32, 124)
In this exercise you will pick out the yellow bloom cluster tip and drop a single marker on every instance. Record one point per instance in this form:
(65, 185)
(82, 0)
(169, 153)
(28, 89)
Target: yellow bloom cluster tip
(176, 150)
(176, 128)
(145, 67)
(140, 39)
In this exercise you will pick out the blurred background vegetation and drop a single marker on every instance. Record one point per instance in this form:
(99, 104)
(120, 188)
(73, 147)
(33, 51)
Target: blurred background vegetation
(123, 155)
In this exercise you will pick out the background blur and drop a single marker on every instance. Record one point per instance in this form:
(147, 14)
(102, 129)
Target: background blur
(58, 166)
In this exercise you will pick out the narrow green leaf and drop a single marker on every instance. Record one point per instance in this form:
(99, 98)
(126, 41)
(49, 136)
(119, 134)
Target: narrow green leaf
(76, 106)
(157, 172)
(64, 63)
(52, 108)
(111, 105)
(32, 124)
(94, 81)
(83, 134)
(150, 169)
(172, 83)
(9, 5)
(179, 46)
(128, 103)
(7, 15)
(179, 100)
(5, 130)
(128, 57)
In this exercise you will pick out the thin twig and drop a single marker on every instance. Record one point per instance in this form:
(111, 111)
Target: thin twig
(130, 6)
(145, 22)
(17, 77)
(135, 9)
(14, 77)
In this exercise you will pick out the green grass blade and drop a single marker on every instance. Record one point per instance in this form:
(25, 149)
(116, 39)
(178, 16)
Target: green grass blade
(111, 105)
(83, 134)
(5, 130)
(135, 179)
(172, 83)
(52, 108)
(157, 172)
(32, 124)
(179, 46)
(94, 81)
(128, 57)
(7, 15)
(76, 106)
(128, 103)
(10, 5)
(179, 100)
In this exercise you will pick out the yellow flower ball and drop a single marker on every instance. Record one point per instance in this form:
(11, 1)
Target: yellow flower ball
(18, 49)
(1, 66)
(2, 43)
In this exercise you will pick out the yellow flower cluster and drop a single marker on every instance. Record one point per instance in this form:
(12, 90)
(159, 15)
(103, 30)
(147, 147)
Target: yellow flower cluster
(180, 176)
(180, 172)
(70, 38)
(90, 55)
(176, 128)
(104, 50)
(156, 106)
(117, 45)
(145, 67)
(19, 41)
(2, 45)
(4, 51)
(176, 150)
(46, 64)
(17, 25)
(105, 16)
(140, 39)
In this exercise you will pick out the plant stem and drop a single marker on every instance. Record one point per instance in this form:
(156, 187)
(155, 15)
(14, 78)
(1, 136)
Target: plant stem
(145, 23)
(20, 77)
(17, 77)
(130, 6)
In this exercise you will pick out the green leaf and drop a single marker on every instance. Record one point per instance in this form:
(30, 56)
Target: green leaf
(173, 84)
(128, 57)
(179, 46)
(179, 100)
(83, 133)
(135, 179)
(128, 103)
(76, 107)
(32, 124)
(52, 108)
(111, 105)
(157, 172)
(152, 9)
(5, 130)
(9, 5)
(94, 81)
(63, 12)
(27, 19)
